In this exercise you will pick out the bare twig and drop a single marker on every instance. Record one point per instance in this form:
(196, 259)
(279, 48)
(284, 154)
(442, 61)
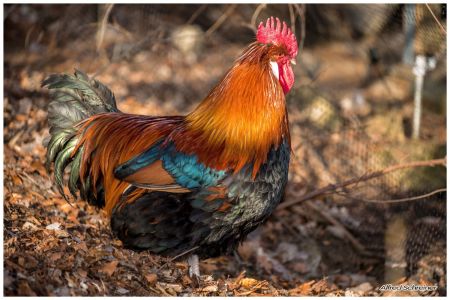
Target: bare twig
(196, 13)
(317, 162)
(151, 36)
(177, 256)
(220, 21)
(248, 25)
(301, 13)
(102, 26)
(333, 187)
(398, 200)
(355, 243)
(292, 16)
(252, 290)
(31, 179)
(13, 141)
(289, 228)
(9, 10)
(256, 13)
(436, 19)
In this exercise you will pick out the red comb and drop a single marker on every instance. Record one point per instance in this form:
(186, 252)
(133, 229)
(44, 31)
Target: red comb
(275, 34)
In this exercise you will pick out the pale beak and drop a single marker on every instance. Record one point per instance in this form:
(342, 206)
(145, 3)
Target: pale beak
(293, 62)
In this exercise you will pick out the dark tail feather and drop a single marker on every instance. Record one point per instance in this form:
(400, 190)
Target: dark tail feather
(74, 98)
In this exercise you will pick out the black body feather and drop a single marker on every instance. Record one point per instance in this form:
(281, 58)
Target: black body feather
(170, 223)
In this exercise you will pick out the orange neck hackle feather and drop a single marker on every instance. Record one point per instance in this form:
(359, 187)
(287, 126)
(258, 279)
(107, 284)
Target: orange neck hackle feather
(242, 118)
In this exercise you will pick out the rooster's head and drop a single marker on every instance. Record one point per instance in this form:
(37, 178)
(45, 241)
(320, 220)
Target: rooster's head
(283, 50)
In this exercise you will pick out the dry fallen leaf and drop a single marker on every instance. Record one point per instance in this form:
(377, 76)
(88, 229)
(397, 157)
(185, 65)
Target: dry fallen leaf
(186, 280)
(53, 226)
(210, 289)
(320, 286)
(82, 273)
(16, 180)
(29, 226)
(81, 246)
(303, 289)
(151, 278)
(25, 289)
(248, 283)
(61, 233)
(109, 268)
(39, 167)
(21, 261)
(55, 256)
(122, 291)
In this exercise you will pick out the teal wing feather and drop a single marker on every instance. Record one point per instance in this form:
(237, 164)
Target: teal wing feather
(186, 170)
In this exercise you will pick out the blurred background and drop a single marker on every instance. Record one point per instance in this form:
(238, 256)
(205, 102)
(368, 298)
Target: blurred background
(370, 94)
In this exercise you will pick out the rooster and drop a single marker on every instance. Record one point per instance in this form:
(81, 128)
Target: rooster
(174, 185)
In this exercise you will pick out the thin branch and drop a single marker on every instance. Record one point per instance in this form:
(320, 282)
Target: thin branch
(197, 13)
(301, 13)
(256, 13)
(9, 10)
(184, 253)
(316, 162)
(151, 36)
(333, 187)
(355, 243)
(222, 19)
(292, 16)
(248, 25)
(436, 19)
(176, 257)
(398, 200)
(102, 27)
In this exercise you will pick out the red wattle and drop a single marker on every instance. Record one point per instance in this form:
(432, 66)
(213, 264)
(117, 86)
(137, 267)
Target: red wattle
(286, 76)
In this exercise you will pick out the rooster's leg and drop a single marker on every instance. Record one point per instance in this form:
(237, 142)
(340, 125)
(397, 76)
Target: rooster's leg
(238, 258)
(194, 268)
